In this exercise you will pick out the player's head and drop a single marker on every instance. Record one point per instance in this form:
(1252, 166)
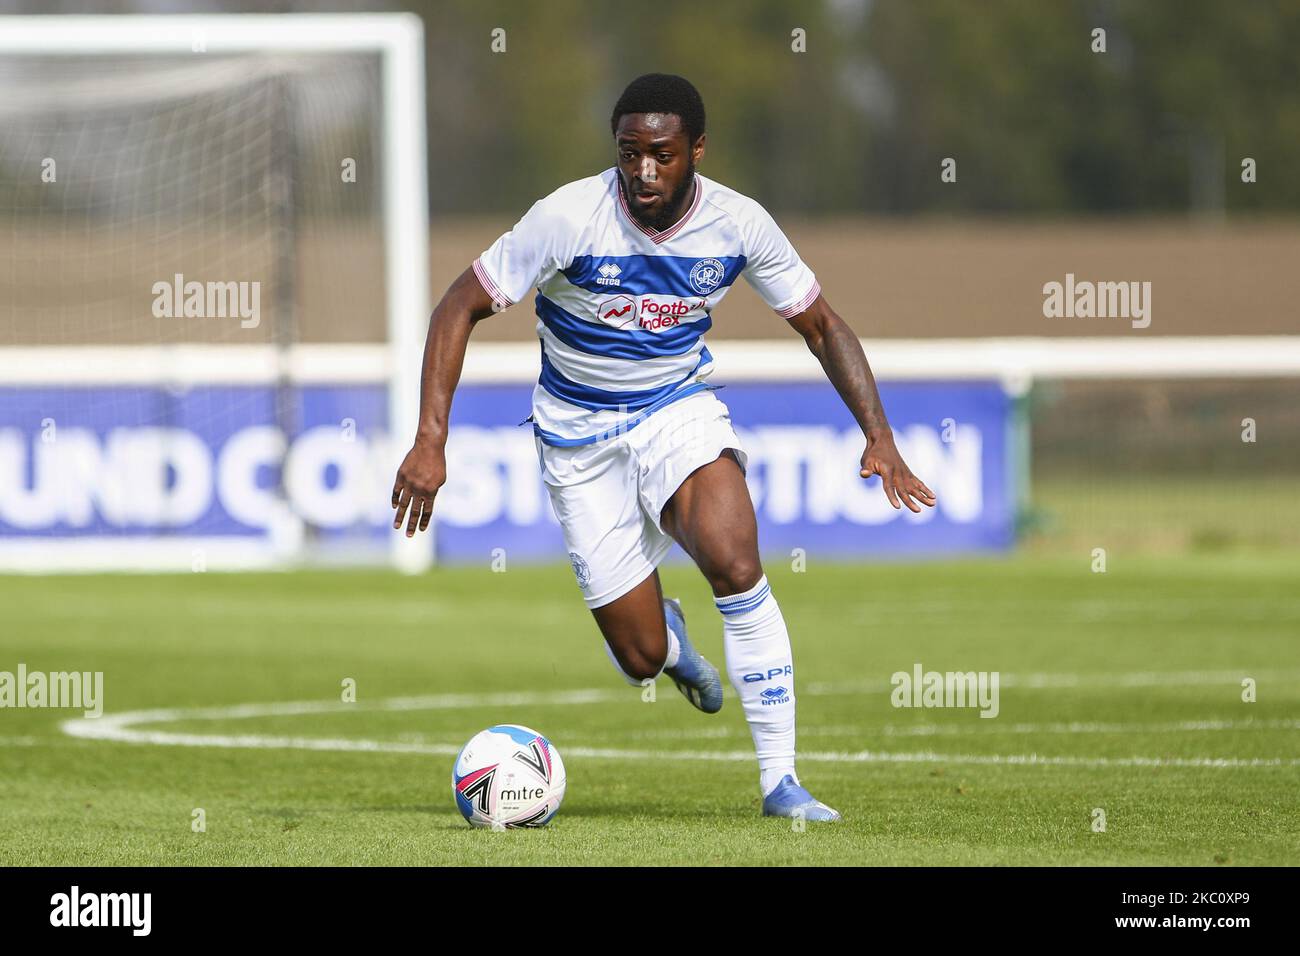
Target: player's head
(658, 127)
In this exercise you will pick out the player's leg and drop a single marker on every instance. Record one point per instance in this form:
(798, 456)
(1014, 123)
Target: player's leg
(711, 515)
(646, 636)
(635, 632)
(614, 549)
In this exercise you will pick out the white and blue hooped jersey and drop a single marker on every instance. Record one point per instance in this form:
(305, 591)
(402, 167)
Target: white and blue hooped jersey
(622, 308)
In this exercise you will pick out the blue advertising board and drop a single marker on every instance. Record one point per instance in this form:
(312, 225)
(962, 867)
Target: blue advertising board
(154, 462)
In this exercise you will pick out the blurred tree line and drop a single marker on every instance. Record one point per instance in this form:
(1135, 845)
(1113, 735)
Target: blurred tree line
(1038, 123)
(885, 90)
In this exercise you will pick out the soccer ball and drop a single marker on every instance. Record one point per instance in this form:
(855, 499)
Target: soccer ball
(508, 776)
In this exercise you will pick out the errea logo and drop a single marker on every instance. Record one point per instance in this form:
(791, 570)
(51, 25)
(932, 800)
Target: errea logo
(609, 273)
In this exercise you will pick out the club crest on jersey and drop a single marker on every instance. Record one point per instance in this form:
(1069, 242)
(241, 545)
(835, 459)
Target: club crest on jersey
(618, 311)
(609, 273)
(707, 275)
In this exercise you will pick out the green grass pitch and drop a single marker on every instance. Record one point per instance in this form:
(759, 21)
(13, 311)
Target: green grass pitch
(1121, 692)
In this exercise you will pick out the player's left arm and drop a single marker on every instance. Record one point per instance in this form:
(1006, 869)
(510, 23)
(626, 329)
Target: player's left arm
(840, 352)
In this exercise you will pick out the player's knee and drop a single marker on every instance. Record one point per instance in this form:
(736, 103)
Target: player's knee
(643, 669)
(640, 663)
(736, 576)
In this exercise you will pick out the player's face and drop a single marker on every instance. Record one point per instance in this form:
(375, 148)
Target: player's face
(656, 166)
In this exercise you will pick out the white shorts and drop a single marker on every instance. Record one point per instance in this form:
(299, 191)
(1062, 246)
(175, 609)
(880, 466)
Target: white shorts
(609, 495)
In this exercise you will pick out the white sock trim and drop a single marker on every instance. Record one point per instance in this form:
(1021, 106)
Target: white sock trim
(674, 651)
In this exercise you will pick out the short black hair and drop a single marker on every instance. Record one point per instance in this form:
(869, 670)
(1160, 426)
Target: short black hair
(663, 93)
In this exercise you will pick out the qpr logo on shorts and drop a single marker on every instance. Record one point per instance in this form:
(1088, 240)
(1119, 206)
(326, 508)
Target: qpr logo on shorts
(706, 275)
(580, 569)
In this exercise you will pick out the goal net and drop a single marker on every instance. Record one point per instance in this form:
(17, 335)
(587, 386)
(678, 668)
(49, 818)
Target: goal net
(198, 217)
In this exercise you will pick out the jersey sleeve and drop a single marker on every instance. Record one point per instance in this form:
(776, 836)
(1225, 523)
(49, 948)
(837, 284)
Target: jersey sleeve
(525, 256)
(774, 269)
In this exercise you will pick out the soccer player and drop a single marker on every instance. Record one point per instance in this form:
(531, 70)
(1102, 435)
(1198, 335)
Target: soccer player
(635, 449)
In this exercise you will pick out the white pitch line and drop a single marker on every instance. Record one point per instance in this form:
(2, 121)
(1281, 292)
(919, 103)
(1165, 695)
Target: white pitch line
(976, 728)
(991, 728)
(122, 733)
(123, 727)
(299, 708)
(1056, 681)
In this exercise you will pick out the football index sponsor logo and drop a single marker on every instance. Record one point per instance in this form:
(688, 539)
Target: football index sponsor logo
(652, 313)
(618, 311)
(664, 315)
(609, 273)
(103, 909)
(950, 689)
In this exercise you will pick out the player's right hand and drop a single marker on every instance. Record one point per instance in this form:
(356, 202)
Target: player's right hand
(423, 471)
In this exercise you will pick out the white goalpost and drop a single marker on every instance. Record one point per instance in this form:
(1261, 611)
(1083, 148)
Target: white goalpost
(127, 41)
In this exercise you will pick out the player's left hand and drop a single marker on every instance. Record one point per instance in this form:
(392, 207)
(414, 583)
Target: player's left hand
(882, 458)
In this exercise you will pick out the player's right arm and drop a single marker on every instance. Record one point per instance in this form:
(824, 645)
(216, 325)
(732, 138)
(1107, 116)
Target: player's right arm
(539, 244)
(424, 469)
